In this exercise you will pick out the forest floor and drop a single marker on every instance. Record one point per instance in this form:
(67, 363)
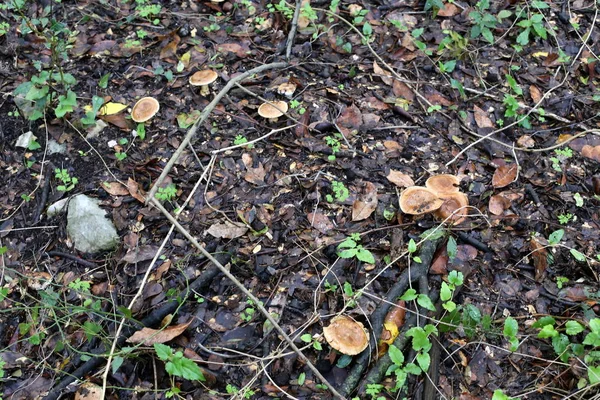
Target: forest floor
(498, 300)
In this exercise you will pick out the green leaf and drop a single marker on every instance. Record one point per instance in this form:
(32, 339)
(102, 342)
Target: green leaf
(396, 355)
(487, 35)
(445, 292)
(456, 278)
(451, 248)
(184, 368)
(523, 38)
(503, 14)
(412, 369)
(141, 131)
(301, 379)
(103, 83)
(365, 256)
(578, 256)
(367, 29)
(425, 302)
(417, 32)
(547, 331)
(116, 363)
(595, 325)
(412, 246)
(409, 295)
(163, 351)
(347, 244)
(349, 253)
(594, 375)
(573, 328)
(66, 104)
(449, 65)
(424, 361)
(420, 341)
(306, 338)
(540, 323)
(343, 361)
(511, 327)
(449, 306)
(499, 395)
(556, 236)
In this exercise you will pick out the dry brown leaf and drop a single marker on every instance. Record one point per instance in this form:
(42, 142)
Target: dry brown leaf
(256, 175)
(401, 89)
(504, 175)
(240, 49)
(227, 230)
(539, 253)
(134, 190)
(449, 10)
(383, 74)
(149, 336)
(498, 204)
(535, 93)
(350, 120)
(320, 222)
(526, 141)
(139, 254)
(363, 207)
(170, 50)
(481, 118)
(115, 188)
(400, 179)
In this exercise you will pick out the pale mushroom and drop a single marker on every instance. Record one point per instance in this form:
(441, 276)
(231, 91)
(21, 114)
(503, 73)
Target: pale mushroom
(203, 79)
(286, 89)
(272, 110)
(454, 207)
(417, 200)
(443, 184)
(145, 109)
(346, 335)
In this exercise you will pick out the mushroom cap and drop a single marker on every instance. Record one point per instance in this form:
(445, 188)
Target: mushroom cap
(346, 335)
(443, 184)
(286, 89)
(417, 200)
(145, 109)
(273, 109)
(453, 202)
(203, 78)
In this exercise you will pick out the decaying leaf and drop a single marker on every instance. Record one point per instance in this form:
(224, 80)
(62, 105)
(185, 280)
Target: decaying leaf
(382, 73)
(134, 190)
(139, 254)
(112, 108)
(227, 230)
(481, 118)
(400, 179)
(540, 257)
(504, 175)
(89, 391)
(363, 207)
(320, 222)
(148, 336)
(115, 188)
(498, 204)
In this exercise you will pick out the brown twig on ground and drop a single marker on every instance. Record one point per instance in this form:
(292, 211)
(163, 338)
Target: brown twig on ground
(411, 274)
(205, 113)
(43, 198)
(78, 260)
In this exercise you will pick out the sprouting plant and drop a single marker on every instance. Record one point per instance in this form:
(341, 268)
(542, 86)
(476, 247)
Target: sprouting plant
(454, 43)
(351, 247)
(560, 281)
(68, 182)
(564, 218)
(240, 139)
(334, 143)
(340, 192)
(484, 21)
(308, 338)
(416, 33)
(455, 279)
(297, 104)
(532, 24)
(148, 11)
(247, 314)
(167, 193)
(561, 156)
(177, 365)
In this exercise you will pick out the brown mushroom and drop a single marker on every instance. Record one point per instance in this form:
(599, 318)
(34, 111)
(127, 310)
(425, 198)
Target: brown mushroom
(346, 335)
(272, 110)
(286, 89)
(454, 207)
(203, 79)
(443, 184)
(145, 109)
(417, 200)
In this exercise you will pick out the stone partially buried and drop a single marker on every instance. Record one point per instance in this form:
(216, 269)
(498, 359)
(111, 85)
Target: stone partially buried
(88, 227)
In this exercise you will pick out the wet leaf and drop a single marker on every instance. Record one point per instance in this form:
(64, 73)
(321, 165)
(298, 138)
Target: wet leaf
(320, 222)
(227, 230)
(540, 258)
(504, 175)
(400, 179)
(115, 188)
(498, 204)
(363, 207)
(481, 118)
(149, 336)
(382, 73)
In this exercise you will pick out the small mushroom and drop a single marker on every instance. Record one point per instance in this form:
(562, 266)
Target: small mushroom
(272, 110)
(346, 335)
(454, 207)
(417, 200)
(286, 89)
(144, 109)
(203, 79)
(443, 184)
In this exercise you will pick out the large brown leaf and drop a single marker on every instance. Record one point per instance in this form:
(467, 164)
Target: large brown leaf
(363, 207)
(400, 179)
(149, 336)
(504, 175)
(539, 253)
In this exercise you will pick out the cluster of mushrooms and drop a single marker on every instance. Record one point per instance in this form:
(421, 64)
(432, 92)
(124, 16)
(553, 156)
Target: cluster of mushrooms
(441, 196)
(147, 107)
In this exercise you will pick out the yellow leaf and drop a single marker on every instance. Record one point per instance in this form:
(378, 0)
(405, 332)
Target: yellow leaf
(393, 332)
(540, 54)
(185, 59)
(112, 108)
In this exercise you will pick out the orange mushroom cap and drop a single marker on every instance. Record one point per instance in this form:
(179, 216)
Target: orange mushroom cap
(444, 183)
(346, 335)
(417, 200)
(145, 109)
(451, 203)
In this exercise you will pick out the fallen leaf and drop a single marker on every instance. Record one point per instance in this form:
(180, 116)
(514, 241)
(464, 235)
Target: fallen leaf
(149, 336)
(535, 93)
(526, 141)
(256, 175)
(320, 222)
(539, 253)
(134, 190)
(401, 89)
(112, 108)
(227, 230)
(363, 207)
(115, 188)
(448, 10)
(241, 50)
(481, 118)
(498, 204)
(350, 120)
(170, 50)
(504, 175)
(383, 74)
(139, 254)
(400, 179)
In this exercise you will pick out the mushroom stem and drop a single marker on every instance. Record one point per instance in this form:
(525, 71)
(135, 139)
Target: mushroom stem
(204, 90)
(273, 120)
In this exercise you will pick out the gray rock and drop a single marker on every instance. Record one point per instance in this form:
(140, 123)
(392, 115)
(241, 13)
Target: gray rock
(89, 229)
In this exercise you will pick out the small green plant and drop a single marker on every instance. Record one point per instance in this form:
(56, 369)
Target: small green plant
(167, 193)
(248, 313)
(416, 33)
(560, 281)
(562, 155)
(241, 139)
(351, 247)
(484, 22)
(68, 182)
(351, 295)
(455, 279)
(532, 24)
(148, 11)
(297, 104)
(177, 365)
(373, 390)
(308, 338)
(564, 218)
(246, 393)
(499, 395)
(510, 331)
(283, 8)
(340, 192)
(335, 144)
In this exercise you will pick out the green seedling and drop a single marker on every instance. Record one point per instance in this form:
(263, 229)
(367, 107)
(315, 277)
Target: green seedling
(351, 247)
(68, 182)
(167, 193)
(309, 339)
(340, 192)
